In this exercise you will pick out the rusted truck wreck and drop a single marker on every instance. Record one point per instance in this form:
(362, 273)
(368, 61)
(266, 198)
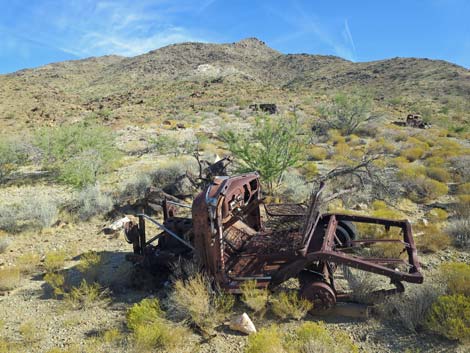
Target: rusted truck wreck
(237, 237)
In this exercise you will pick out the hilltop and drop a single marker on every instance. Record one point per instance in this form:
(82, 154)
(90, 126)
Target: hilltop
(157, 83)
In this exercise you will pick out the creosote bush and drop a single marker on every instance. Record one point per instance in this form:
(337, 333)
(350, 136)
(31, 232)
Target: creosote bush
(54, 260)
(255, 298)
(457, 277)
(87, 295)
(151, 331)
(459, 231)
(431, 238)
(195, 301)
(449, 316)
(289, 305)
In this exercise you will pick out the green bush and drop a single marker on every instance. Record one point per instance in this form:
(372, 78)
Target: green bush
(87, 295)
(268, 339)
(79, 152)
(271, 147)
(457, 277)
(290, 305)
(12, 155)
(412, 153)
(255, 298)
(54, 261)
(151, 331)
(449, 316)
(144, 313)
(439, 174)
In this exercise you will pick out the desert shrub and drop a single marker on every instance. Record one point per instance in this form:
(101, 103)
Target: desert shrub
(437, 215)
(271, 148)
(35, 211)
(422, 189)
(28, 262)
(457, 277)
(439, 174)
(145, 312)
(449, 316)
(268, 339)
(12, 154)
(464, 189)
(4, 243)
(413, 153)
(91, 201)
(194, 300)
(87, 295)
(434, 162)
(89, 265)
(56, 283)
(459, 230)
(345, 113)
(432, 238)
(294, 187)
(79, 152)
(362, 284)
(54, 260)
(151, 331)
(29, 333)
(317, 153)
(255, 298)
(411, 307)
(9, 278)
(290, 305)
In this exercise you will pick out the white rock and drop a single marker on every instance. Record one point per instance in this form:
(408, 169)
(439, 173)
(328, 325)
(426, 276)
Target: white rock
(116, 225)
(243, 324)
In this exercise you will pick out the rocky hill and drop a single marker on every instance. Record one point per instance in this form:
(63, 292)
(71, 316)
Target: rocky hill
(239, 73)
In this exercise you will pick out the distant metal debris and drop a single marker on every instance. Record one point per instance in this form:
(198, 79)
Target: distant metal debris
(269, 108)
(415, 121)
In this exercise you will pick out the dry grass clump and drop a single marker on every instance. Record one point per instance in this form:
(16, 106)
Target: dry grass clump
(437, 215)
(457, 277)
(449, 316)
(464, 189)
(422, 189)
(54, 260)
(411, 307)
(431, 238)
(9, 278)
(195, 301)
(151, 331)
(87, 295)
(317, 153)
(439, 174)
(29, 332)
(289, 305)
(89, 265)
(4, 243)
(459, 231)
(413, 153)
(310, 337)
(255, 298)
(91, 201)
(28, 262)
(362, 284)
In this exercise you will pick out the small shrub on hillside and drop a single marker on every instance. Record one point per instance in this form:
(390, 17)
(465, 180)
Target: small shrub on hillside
(28, 262)
(29, 333)
(79, 152)
(268, 339)
(290, 305)
(255, 298)
(56, 283)
(410, 308)
(54, 260)
(195, 300)
(89, 265)
(439, 174)
(294, 187)
(459, 231)
(151, 331)
(9, 278)
(143, 313)
(434, 162)
(92, 201)
(437, 215)
(87, 295)
(4, 243)
(12, 154)
(413, 153)
(457, 277)
(313, 337)
(32, 210)
(464, 189)
(316, 153)
(432, 238)
(362, 284)
(449, 316)
(422, 189)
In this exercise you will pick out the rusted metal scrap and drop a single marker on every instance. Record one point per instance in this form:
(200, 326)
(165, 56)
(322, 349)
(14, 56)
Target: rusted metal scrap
(237, 237)
(415, 121)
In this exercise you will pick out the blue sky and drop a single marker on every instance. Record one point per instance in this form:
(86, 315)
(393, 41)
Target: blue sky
(37, 32)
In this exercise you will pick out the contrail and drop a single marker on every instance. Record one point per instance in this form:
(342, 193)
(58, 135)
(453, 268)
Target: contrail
(349, 35)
